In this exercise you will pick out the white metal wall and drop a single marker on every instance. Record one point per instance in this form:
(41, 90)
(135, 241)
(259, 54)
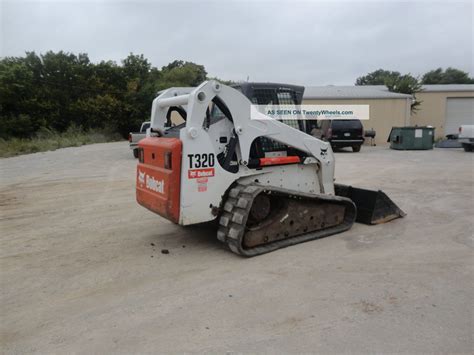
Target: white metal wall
(459, 111)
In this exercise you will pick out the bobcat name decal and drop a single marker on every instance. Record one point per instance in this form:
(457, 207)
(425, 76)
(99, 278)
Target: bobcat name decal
(150, 182)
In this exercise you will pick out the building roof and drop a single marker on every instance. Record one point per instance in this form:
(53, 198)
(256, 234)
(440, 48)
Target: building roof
(352, 92)
(448, 87)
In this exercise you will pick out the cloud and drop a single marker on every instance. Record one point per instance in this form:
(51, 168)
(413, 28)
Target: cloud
(294, 42)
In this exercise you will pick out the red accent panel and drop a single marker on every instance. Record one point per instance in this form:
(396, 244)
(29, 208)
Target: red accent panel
(158, 188)
(279, 160)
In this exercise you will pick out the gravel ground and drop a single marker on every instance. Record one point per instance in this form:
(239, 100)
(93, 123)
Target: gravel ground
(82, 270)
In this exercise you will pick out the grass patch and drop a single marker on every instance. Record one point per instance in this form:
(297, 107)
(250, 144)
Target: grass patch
(47, 140)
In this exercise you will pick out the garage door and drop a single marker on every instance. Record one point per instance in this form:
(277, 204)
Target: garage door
(458, 112)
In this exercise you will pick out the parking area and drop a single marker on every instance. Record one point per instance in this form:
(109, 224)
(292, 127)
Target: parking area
(82, 269)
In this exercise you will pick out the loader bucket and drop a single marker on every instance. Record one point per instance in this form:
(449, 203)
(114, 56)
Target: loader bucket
(373, 207)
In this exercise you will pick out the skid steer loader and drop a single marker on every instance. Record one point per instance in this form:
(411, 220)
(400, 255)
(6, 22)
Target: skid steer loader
(268, 183)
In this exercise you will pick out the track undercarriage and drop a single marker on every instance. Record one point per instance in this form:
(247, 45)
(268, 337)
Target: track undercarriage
(257, 219)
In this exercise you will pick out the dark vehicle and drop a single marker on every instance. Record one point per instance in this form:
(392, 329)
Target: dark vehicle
(340, 133)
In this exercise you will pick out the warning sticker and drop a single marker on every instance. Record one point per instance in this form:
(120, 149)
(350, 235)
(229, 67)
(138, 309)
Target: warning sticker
(200, 173)
(202, 184)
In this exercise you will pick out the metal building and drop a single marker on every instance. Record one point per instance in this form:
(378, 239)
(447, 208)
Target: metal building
(387, 109)
(445, 107)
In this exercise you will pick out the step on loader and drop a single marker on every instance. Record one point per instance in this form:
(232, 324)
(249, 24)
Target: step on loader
(268, 183)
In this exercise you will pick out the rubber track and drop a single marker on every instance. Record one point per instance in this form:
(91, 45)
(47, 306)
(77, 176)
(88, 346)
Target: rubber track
(236, 209)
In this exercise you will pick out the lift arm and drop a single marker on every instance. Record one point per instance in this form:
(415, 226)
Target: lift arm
(247, 125)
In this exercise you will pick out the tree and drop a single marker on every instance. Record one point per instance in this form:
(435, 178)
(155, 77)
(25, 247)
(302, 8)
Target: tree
(395, 82)
(378, 77)
(449, 76)
(405, 84)
(20, 111)
(57, 90)
(225, 82)
(179, 73)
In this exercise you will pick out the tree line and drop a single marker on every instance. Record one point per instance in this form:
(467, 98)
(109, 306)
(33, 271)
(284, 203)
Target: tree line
(55, 91)
(409, 84)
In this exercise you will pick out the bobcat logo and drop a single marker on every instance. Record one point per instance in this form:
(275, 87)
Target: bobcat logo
(141, 177)
(151, 183)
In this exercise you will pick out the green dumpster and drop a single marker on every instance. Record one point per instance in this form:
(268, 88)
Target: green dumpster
(411, 138)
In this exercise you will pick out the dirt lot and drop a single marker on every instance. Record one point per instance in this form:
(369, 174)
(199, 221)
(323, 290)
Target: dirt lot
(82, 268)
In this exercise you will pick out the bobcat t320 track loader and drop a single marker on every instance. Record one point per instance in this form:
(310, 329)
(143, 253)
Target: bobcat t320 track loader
(268, 184)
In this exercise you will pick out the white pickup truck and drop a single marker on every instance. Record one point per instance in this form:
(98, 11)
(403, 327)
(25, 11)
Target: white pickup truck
(466, 137)
(135, 137)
